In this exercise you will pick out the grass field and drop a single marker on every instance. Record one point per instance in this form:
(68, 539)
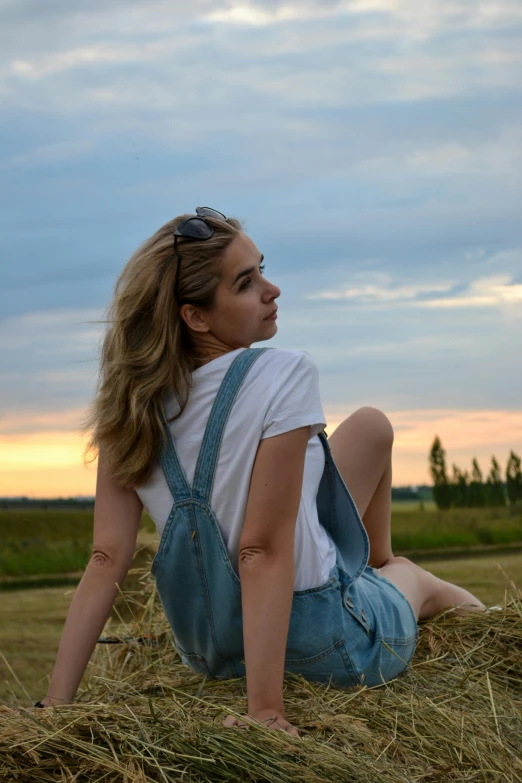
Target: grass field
(416, 530)
(38, 542)
(31, 621)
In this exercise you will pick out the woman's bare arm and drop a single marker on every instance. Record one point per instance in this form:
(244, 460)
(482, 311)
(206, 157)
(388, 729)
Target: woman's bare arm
(266, 564)
(117, 515)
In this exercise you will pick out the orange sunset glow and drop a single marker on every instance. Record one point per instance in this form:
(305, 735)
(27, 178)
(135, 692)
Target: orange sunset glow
(49, 463)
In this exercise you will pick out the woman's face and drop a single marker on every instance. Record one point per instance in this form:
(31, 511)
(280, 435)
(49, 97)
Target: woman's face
(244, 299)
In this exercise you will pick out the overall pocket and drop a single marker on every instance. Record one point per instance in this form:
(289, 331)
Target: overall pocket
(331, 665)
(389, 660)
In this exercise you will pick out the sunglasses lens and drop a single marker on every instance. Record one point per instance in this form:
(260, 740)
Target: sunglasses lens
(195, 228)
(208, 212)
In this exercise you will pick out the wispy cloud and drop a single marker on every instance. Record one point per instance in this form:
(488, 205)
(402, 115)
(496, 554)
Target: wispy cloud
(49, 364)
(496, 291)
(430, 17)
(407, 64)
(71, 330)
(380, 290)
(34, 421)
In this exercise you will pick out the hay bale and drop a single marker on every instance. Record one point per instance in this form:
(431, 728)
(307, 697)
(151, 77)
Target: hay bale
(140, 715)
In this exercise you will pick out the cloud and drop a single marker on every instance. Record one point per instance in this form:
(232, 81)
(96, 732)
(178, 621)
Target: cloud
(496, 291)
(274, 51)
(49, 365)
(379, 292)
(113, 53)
(74, 329)
(35, 421)
(259, 16)
(263, 14)
(430, 18)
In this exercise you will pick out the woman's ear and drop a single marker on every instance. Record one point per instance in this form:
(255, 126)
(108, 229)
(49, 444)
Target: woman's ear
(194, 318)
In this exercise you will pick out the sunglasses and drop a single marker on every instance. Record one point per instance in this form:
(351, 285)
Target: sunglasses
(194, 227)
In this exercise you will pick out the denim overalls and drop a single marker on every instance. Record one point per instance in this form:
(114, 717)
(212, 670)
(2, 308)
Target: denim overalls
(356, 628)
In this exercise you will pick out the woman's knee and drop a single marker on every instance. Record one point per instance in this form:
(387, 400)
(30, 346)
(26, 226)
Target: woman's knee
(375, 423)
(368, 427)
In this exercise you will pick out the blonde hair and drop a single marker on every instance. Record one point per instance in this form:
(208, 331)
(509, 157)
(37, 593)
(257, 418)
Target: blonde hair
(147, 347)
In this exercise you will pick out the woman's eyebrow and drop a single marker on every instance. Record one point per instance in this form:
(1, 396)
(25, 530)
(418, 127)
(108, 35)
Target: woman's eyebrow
(245, 272)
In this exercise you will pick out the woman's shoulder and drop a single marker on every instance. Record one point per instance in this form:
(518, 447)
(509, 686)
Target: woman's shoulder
(288, 358)
(283, 368)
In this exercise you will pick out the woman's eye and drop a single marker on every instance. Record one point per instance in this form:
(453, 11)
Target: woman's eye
(248, 280)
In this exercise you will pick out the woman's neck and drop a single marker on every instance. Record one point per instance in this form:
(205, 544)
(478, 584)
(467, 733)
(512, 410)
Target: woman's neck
(203, 358)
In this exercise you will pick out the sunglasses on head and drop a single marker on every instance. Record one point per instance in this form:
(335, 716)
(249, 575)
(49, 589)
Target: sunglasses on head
(194, 227)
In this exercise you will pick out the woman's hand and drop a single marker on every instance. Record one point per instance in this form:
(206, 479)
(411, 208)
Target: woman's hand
(273, 719)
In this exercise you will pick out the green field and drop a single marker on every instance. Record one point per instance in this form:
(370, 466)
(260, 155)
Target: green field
(415, 530)
(37, 542)
(44, 543)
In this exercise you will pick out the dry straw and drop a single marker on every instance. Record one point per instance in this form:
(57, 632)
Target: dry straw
(140, 715)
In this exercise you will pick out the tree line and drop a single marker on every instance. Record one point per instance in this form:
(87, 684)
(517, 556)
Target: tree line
(463, 489)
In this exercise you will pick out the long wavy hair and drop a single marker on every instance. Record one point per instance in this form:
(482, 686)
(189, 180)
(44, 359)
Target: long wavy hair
(147, 347)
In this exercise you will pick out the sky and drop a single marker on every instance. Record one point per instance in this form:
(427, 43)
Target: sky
(373, 151)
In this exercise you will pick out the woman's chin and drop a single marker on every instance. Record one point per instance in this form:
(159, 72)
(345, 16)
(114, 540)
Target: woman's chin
(266, 333)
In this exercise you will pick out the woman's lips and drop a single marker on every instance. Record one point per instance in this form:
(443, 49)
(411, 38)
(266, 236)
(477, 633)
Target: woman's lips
(271, 317)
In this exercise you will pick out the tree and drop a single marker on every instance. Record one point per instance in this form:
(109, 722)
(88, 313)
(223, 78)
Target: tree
(494, 487)
(477, 490)
(514, 479)
(441, 486)
(460, 488)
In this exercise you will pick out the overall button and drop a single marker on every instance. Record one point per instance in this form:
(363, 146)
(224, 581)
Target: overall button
(358, 613)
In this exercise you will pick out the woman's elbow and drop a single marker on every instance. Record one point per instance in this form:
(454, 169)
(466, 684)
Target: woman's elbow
(254, 556)
(103, 563)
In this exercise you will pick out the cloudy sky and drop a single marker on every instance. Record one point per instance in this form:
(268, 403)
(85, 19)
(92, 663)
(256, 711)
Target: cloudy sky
(373, 149)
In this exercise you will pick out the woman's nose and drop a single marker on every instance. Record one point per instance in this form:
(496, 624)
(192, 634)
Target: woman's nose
(273, 291)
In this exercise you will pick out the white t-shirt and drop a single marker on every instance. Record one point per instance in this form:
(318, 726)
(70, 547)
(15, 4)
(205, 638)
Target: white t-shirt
(279, 393)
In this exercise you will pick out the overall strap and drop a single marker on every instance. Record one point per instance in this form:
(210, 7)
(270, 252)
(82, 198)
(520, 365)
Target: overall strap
(211, 445)
(174, 473)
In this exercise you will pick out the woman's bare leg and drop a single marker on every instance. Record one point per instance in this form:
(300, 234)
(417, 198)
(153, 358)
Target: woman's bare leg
(362, 449)
(426, 593)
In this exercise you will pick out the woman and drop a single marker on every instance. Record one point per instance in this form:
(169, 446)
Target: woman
(267, 562)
